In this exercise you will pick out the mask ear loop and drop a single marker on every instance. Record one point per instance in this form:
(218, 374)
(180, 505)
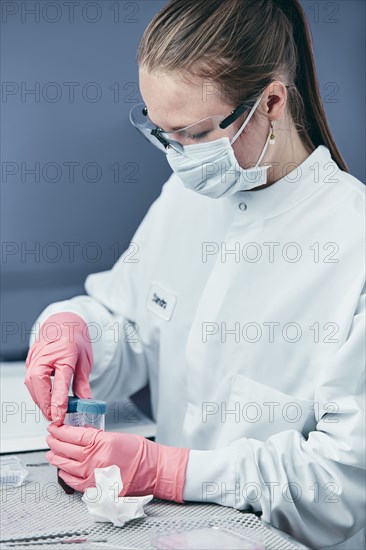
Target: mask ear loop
(246, 120)
(270, 140)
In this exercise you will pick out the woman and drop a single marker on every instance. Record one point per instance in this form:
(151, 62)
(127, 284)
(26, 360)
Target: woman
(241, 302)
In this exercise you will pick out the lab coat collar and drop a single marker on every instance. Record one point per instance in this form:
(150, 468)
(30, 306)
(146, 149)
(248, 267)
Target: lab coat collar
(282, 195)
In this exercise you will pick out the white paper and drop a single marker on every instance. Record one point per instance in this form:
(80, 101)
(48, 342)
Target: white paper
(105, 505)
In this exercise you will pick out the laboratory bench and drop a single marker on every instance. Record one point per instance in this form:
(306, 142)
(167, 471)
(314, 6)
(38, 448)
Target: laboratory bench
(38, 514)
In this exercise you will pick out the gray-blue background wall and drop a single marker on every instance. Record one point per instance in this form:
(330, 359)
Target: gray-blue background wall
(76, 178)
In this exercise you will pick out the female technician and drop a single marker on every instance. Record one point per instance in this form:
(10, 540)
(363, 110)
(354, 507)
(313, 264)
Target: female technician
(242, 300)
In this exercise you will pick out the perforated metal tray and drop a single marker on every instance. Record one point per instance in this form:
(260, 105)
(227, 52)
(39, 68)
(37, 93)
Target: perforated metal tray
(41, 512)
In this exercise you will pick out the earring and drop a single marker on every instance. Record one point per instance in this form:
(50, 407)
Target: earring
(272, 137)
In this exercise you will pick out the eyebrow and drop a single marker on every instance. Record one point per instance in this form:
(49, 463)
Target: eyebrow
(174, 129)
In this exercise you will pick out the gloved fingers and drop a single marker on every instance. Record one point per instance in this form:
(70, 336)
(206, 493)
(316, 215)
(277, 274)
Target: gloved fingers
(76, 435)
(66, 450)
(60, 391)
(29, 384)
(41, 364)
(66, 464)
(80, 383)
(45, 408)
(28, 381)
(38, 382)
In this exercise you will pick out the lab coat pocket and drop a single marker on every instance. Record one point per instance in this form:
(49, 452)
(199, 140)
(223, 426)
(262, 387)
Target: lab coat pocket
(258, 411)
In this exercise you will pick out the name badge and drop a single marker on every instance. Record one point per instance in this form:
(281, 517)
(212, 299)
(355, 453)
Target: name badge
(161, 301)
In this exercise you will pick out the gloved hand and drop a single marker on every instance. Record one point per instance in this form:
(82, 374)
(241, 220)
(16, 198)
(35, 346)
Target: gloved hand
(64, 350)
(146, 467)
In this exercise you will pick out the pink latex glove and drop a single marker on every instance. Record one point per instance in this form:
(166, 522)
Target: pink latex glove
(146, 467)
(64, 350)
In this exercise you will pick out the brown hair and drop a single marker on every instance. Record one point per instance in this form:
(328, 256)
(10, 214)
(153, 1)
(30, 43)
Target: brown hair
(243, 45)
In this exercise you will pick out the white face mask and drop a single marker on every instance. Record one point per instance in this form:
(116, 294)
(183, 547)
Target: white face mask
(211, 168)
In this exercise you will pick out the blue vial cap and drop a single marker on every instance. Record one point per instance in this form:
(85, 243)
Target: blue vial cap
(89, 406)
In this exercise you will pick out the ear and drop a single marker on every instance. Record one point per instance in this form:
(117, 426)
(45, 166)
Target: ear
(275, 99)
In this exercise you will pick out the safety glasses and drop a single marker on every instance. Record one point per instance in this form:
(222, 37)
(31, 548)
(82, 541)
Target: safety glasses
(205, 130)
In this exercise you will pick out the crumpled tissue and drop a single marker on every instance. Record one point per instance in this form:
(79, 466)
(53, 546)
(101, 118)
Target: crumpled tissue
(103, 501)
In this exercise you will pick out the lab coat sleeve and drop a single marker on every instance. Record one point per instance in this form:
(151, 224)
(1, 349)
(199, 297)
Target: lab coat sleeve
(314, 487)
(111, 309)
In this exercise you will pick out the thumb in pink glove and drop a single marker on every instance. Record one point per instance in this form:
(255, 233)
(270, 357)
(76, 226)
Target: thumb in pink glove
(146, 467)
(63, 350)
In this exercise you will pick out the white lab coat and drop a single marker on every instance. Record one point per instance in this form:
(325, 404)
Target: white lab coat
(245, 314)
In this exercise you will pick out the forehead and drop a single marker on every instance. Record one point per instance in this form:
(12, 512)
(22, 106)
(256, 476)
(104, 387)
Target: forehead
(174, 102)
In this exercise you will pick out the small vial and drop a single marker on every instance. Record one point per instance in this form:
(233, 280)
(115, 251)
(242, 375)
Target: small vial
(85, 413)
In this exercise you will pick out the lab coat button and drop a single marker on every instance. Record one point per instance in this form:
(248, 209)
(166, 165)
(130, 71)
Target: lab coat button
(243, 206)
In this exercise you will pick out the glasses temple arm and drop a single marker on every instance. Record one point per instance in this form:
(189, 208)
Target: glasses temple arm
(238, 112)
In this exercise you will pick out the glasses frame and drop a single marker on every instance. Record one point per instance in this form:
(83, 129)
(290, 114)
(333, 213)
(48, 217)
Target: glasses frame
(230, 119)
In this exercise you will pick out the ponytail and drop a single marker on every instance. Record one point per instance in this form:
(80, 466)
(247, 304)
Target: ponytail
(317, 131)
